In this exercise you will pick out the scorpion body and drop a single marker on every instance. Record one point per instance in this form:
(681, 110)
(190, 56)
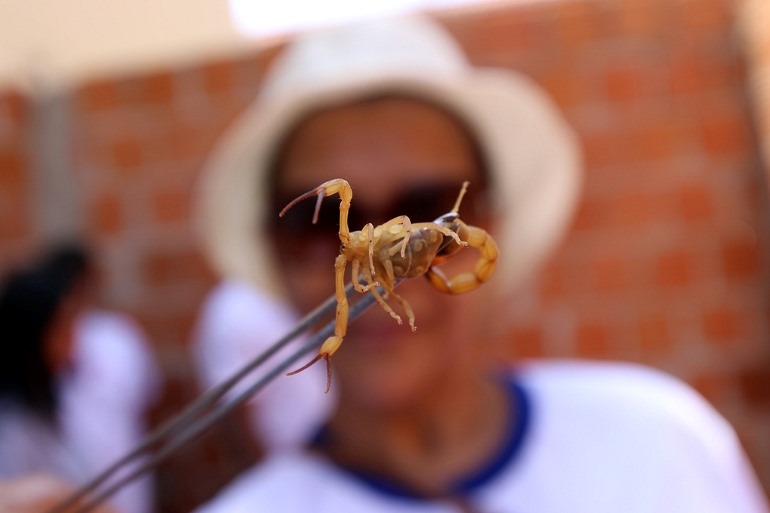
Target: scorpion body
(381, 256)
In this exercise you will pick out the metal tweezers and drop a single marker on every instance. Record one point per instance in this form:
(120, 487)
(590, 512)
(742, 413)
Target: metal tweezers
(207, 409)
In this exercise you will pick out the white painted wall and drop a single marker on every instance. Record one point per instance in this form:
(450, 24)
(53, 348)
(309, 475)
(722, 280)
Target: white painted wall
(60, 42)
(63, 41)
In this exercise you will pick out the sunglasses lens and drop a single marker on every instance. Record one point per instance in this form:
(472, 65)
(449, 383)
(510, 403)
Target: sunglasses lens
(423, 204)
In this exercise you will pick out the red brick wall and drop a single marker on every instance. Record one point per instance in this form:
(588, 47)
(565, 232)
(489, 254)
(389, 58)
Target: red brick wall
(139, 144)
(667, 261)
(15, 181)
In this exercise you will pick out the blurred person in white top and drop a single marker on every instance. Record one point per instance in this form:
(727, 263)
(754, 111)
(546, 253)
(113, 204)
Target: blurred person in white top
(237, 322)
(77, 380)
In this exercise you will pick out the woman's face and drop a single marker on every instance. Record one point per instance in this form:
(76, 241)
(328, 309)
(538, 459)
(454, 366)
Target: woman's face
(395, 153)
(60, 336)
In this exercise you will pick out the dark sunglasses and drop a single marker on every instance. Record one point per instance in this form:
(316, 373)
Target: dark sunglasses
(421, 203)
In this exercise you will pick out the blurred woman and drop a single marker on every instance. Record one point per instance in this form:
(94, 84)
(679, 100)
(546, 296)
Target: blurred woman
(74, 381)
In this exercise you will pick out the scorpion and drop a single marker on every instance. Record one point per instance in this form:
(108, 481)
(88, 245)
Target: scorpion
(382, 255)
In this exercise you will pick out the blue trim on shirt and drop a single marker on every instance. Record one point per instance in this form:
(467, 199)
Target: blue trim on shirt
(519, 411)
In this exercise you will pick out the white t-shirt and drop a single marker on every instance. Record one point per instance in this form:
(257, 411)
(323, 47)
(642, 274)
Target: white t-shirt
(105, 401)
(30, 444)
(237, 323)
(593, 438)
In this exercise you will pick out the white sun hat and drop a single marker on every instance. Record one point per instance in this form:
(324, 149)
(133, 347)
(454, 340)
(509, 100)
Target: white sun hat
(532, 153)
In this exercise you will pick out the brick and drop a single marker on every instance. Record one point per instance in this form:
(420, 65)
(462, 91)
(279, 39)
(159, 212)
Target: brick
(654, 334)
(552, 283)
(610, 274)
(601, 149)
(13, 108)
(106, 215)
(527, 342)
(713, 385)
(14, 250)
(755, 383)
(12, 170)
(685, 75)
(248, 70)
(722, 325)
(623, 83)
(14, 221)
(592, 340)
(654, 142)
(562, 86)
(155, 88)
(726, 134)
(695, 203)
(99, 96)
(503, 36)
(127, 153)
(185, 141)
(170, 206)
(692, 69)
(218, 77)
(632, 210)
(708, 16)
(741, 260)
(675, 269)
(167, 268)
(579, 22)
(644, 20)
(591, 215)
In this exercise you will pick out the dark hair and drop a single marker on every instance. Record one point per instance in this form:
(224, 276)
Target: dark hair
(29, 302)
(69, 263)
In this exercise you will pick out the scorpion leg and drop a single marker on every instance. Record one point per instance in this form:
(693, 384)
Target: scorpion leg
(333, 343)
(450, 233)
(394, 228)
(368, 238)
(390, 278)
(384, 305)
(406, 306)
(356, 278)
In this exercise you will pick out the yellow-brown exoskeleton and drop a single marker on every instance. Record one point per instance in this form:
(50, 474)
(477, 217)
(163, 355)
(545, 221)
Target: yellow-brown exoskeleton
(381, 255)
